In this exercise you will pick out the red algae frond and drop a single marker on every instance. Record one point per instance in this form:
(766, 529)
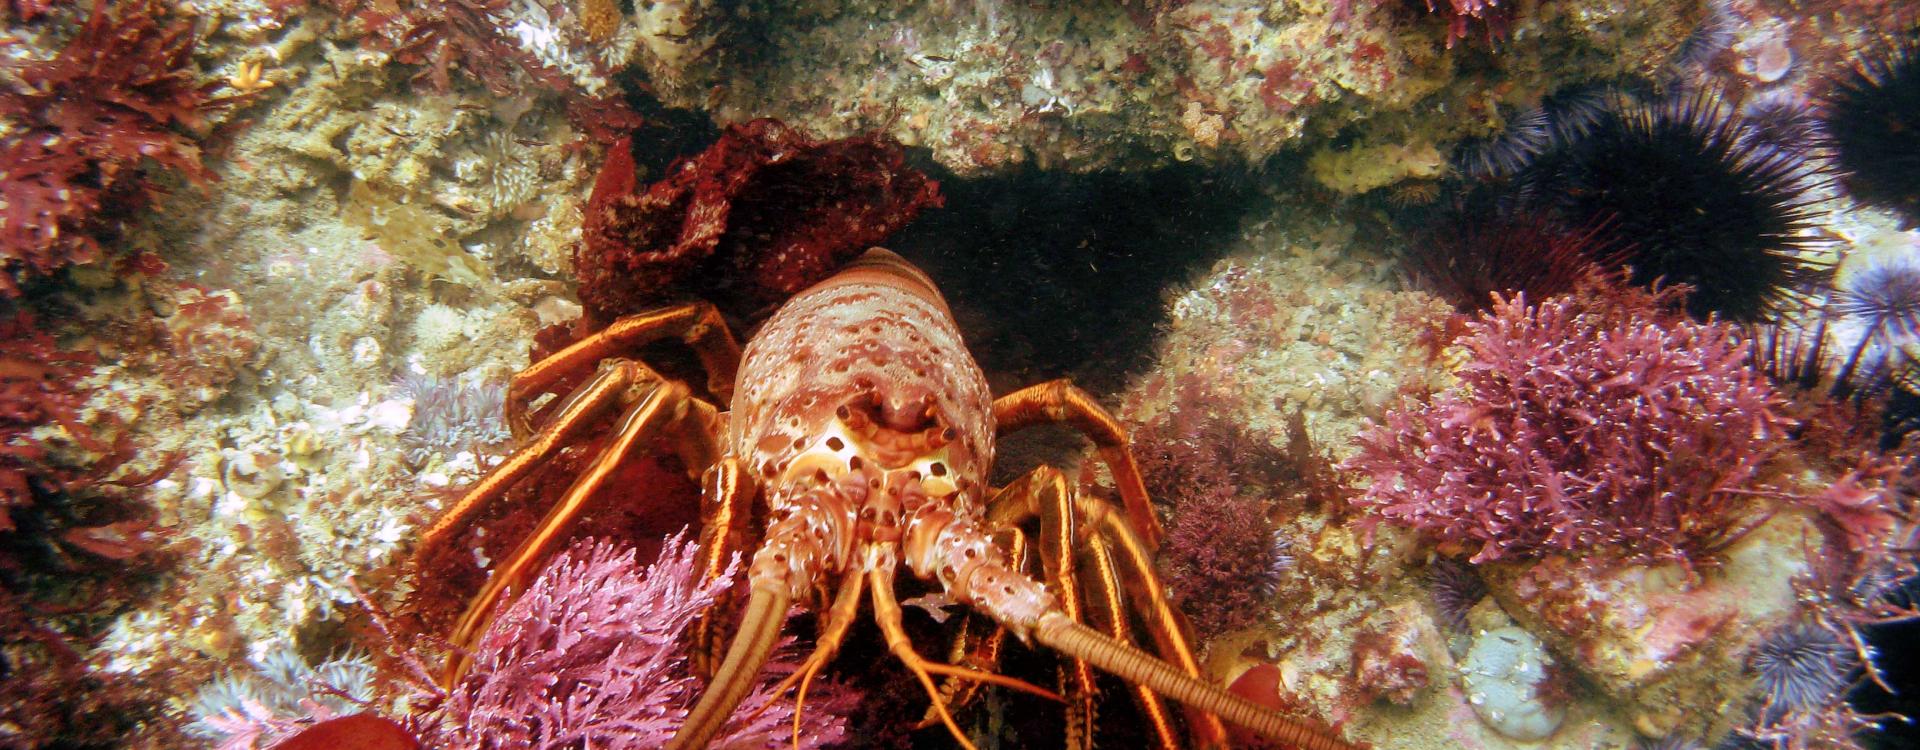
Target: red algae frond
(1599, 419)
(760, 215)
(122, 92)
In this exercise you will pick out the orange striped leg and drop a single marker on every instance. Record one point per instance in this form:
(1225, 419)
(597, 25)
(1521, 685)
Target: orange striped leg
(653, 408)
(1126, 564)
(726, 499)
(1044, 494)
(583, 410)
(697, 324)
(1062, 402)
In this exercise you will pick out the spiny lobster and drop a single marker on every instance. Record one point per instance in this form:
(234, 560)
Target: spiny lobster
(865, 430)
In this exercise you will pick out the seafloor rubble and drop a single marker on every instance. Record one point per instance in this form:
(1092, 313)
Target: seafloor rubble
(268, 263)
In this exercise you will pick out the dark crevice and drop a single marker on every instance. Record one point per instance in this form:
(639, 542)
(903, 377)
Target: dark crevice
(1065, 275)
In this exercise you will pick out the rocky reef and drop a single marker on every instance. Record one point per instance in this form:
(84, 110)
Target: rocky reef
(267, 265)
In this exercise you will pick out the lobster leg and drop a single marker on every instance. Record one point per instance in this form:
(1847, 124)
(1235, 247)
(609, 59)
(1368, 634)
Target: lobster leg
(1041, 494)
(727, 495)
(656, 405)
(1044, 494)
(697, 324)
(1113, 537)
(579, 412)
(1060, 401)
(1104, 594)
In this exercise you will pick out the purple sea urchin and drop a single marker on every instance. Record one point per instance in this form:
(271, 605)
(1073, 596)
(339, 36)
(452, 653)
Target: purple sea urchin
(1885, 298)
(1802, 668)
(1455, 589)
(1712, 37)
(1508, 152)
(1783, 120)
(1700, 203)
(1873, 126)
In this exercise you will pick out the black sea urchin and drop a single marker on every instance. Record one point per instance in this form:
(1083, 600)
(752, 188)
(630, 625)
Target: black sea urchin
(1873, 126)
(1506, 153)
(1699, 203)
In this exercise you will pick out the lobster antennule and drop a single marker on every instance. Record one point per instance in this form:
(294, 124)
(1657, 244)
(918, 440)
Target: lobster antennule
(1062, 634)
(752, 646)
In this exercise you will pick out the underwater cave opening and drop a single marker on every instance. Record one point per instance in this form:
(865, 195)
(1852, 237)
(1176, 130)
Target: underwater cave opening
(1054, 274)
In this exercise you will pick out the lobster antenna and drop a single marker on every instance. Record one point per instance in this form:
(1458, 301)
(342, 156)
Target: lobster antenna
(1062, 634)
(752, 645)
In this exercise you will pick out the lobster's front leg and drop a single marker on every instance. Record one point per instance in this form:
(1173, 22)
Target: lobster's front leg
(727, 493)
(652, 407)
(697, 324)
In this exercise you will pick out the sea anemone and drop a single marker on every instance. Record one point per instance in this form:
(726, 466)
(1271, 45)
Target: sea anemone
(1699, 203)
(1802, 668)
(451, 416)
(1872, 118)
(1476, 248)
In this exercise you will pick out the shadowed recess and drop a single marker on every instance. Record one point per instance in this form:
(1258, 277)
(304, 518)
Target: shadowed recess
(1056, 275)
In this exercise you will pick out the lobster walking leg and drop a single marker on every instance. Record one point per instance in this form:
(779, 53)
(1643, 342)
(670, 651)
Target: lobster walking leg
(1114, 537)
(1038, 494)
(1062, 402)
(1045, 494)
(656, 406)
(578, 413)
(697, 324)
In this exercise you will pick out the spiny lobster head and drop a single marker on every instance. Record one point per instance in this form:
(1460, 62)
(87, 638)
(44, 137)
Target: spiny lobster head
(861, 389)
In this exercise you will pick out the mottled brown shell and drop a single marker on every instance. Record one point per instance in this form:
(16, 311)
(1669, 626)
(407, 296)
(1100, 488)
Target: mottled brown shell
(876, 333)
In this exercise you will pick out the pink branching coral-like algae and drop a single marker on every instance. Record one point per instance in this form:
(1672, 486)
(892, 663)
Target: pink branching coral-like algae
(1599, 419)
(120, 93)
(1221, 558)
(594, 655)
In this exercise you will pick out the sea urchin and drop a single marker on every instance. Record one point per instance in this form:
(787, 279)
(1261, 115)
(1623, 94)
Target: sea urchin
(1476, 247)
(1699, 202)
(1802, 667)
(1873, 126)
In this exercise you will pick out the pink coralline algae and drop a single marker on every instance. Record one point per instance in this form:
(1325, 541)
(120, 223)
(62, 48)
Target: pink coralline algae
(83, 126)
(1595, 420)
(593, 655)
(1221, 558)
